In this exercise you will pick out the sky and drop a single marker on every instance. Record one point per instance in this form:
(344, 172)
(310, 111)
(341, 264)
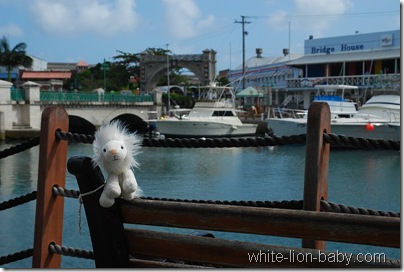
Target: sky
(94, 30)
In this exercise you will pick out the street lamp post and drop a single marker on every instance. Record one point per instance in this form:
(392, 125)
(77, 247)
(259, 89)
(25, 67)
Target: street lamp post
(105, 68)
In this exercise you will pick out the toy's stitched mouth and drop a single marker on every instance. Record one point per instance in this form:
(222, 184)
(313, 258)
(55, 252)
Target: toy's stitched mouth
(116, 158)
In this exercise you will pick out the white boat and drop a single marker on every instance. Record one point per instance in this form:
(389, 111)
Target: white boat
(378, 118)
(214, 115)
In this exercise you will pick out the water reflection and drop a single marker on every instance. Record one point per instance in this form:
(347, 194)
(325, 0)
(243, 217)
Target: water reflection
(19, 172)
(369, 179)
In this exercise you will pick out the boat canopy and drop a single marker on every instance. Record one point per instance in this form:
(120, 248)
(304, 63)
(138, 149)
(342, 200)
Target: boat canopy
(249, 92)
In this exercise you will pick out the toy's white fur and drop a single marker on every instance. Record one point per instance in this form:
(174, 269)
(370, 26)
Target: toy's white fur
(114, 151)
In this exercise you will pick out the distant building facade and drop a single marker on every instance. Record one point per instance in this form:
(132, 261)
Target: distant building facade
(261, 72)
(268, 75)
(51, 75)
(370, 61)
(37, 65)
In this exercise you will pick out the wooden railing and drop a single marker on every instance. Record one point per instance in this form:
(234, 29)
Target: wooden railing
(117, 242)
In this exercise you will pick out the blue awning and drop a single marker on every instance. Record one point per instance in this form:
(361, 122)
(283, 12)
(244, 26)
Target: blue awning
(5, 75)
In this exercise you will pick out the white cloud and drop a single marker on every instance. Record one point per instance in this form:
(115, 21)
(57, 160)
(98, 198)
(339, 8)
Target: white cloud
(329, 9)
(11, 30)
(76, 17)
(303, 15)
(184, 18)
(277, 19)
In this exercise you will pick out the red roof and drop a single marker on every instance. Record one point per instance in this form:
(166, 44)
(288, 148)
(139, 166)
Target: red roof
(82, 63)
(46, 75)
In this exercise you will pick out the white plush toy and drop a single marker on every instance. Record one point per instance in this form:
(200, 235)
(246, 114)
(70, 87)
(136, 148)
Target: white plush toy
(114, 151)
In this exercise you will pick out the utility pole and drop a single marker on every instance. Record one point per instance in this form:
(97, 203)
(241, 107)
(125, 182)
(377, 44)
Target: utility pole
(244, 33)
(168, 81)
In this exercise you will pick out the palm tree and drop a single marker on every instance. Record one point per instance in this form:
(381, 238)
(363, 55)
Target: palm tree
(14, 57)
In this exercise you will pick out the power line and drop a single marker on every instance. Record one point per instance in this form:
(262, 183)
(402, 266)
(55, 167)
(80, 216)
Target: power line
(219, 31)
(381, 13)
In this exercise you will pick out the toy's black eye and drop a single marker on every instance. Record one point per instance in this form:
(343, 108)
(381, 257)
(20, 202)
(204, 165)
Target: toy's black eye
(104, 150)
(121, 147)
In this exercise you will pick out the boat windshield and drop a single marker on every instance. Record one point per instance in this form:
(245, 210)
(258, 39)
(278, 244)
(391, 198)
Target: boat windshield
(222, 113)
(329, 98)
(338, 93)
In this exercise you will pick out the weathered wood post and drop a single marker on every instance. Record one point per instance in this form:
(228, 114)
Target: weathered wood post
(316, 165)
(51, 171)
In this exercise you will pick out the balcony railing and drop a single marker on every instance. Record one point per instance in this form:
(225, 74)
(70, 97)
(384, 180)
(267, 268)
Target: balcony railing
(83, 97)
(379, 81)
(17, 95)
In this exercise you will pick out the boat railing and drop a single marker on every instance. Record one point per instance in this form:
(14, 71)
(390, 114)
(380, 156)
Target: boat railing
(281, 112)
(382, 81)
(388, 116)
(118, 243)
(394, 116)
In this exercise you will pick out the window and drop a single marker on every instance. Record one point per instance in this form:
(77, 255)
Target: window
(222, 113)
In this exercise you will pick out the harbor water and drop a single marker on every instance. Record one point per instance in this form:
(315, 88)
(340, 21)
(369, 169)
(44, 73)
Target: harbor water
(361, 178)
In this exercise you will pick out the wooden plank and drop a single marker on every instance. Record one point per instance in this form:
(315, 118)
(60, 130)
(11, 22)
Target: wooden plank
(229, 253)
(51, 171)
(350, 228)
(139, 263)
(316, 163)
(105, 224)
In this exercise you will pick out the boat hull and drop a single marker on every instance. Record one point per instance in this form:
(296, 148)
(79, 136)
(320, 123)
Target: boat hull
(351, 128)
(198, 129)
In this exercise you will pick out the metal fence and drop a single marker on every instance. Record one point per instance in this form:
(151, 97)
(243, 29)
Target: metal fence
(19, 95)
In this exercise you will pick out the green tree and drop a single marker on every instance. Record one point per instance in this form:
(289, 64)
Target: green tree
(131, 63)
(223, 81)
(12, 58)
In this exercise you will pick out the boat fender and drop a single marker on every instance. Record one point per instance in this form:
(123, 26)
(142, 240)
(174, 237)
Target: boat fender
(370, 126)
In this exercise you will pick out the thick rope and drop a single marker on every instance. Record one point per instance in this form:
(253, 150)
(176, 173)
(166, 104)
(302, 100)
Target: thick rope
(333, 139)
(74, 137)
(17, 201)
(326, 206)
(16, 256)
(72, 252)
(287, 204)
(344, 141)
(59, 191)
(339, 208)
(19, 148)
